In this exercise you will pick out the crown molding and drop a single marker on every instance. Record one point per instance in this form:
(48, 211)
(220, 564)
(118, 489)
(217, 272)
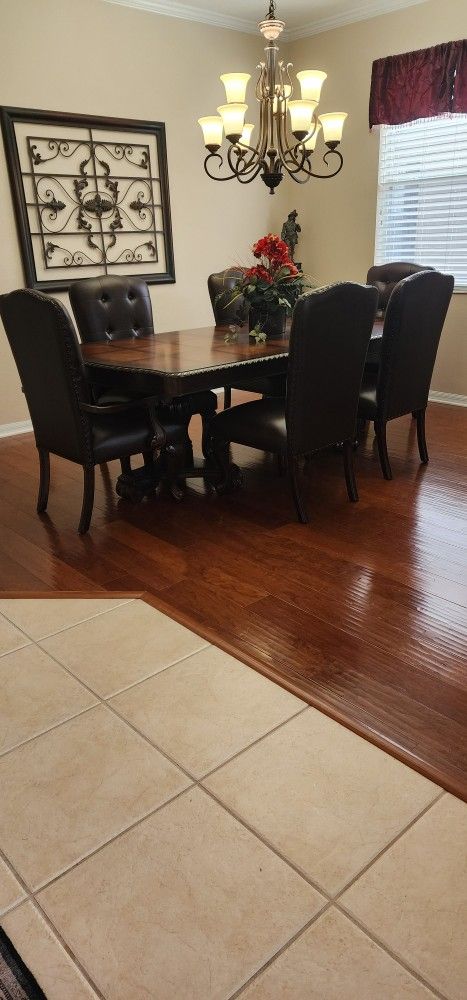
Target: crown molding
(186, 13)
(360, 12)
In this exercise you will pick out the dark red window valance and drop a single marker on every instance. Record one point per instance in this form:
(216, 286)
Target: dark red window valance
(420, 84)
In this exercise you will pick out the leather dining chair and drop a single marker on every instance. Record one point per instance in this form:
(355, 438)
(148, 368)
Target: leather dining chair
(412, 328)
(331, 329)
(220, 287)
(65, 419)
(114, 307)
(385, 277)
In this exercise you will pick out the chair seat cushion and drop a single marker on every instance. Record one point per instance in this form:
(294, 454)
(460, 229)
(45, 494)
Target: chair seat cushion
(109, 397)
(260, 424)
(129, 433)
(118, 434)
(270, 385)
(367, 400)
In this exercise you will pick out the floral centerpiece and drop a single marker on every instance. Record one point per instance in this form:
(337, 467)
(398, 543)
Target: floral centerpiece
(270, 288)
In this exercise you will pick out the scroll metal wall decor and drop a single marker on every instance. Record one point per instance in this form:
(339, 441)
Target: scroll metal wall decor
(91, 196)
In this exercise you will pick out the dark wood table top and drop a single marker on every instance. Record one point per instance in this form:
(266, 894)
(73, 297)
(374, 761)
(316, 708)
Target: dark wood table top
(188, 360)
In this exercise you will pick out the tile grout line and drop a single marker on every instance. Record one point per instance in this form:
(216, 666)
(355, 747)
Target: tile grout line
(270, 961)
(122, 603)
(117, 836)
(388, 846)
(17, 649)
(392, 954)
(71, 955)
(243, 822)
(44, 732)
(30, 898)
(114, 694)
(249, 746)
(175, 663)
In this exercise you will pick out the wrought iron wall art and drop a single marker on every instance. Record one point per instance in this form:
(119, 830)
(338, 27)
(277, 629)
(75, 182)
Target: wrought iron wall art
(91, 196)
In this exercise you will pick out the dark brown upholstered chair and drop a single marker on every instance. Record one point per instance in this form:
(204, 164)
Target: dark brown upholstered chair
(116, 307)
(412, 328)
(385, 277)
(225, 313)
(66, 422)
(331, 329)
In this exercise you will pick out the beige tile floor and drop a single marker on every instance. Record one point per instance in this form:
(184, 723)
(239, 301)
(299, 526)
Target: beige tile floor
(173, 825)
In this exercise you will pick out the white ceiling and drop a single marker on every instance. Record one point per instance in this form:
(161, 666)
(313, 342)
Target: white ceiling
(302, 17)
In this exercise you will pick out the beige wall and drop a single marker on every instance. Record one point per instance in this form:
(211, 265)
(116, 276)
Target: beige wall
(109, 60)
(338, 216)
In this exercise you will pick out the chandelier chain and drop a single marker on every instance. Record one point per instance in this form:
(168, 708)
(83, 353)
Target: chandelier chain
(271, 15)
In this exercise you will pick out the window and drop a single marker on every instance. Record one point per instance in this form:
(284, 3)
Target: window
(422, 195)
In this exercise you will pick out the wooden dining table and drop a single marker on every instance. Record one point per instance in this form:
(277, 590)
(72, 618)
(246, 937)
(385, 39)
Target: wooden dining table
(170, 365)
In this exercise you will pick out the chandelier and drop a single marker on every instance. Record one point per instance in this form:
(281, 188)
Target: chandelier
(285, 144)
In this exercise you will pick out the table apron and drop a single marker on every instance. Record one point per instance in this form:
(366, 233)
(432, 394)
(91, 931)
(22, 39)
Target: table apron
(166, 386)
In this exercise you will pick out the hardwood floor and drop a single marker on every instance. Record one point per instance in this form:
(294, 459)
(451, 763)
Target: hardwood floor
(363, 611)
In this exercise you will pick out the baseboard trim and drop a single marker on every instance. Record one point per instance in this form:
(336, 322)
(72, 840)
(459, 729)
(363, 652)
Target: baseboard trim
(18, 427)
(451, 398)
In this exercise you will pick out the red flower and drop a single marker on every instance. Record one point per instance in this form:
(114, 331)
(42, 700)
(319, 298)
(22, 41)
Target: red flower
(258, 272)
(273, 248)
(293, 271)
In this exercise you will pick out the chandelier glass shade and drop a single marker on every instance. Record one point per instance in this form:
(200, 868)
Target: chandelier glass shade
(289, 127)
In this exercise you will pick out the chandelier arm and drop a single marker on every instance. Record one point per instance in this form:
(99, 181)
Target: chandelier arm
(241, 166)
(215, 177)
(308, 172)
(257, 152)
(287, 153)
(247, 180)
(260, 82)
(330, 152)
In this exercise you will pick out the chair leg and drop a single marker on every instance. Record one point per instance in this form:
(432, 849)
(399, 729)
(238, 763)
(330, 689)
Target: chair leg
(349, 470)
(422, 448)
(299, 505)
(227, 397)
(88, 499)
(380, 431)
(44, 480)
(126, 466)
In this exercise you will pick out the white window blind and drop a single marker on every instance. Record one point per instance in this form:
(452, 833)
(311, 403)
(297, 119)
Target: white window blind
(422, 195)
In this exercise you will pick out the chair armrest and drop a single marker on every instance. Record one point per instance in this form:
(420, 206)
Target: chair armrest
(94, 408)
(150, 403)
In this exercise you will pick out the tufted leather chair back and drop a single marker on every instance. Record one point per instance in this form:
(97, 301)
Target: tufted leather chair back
(47, 355)
(220, 286)
(112, 308)
(331, 329)
(412, 329)
(385, 277)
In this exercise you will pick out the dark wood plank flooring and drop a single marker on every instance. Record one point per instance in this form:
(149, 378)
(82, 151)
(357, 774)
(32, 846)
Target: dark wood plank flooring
(362, 612)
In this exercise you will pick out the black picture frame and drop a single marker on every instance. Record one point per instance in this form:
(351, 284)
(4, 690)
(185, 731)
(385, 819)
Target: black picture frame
(11, 116)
